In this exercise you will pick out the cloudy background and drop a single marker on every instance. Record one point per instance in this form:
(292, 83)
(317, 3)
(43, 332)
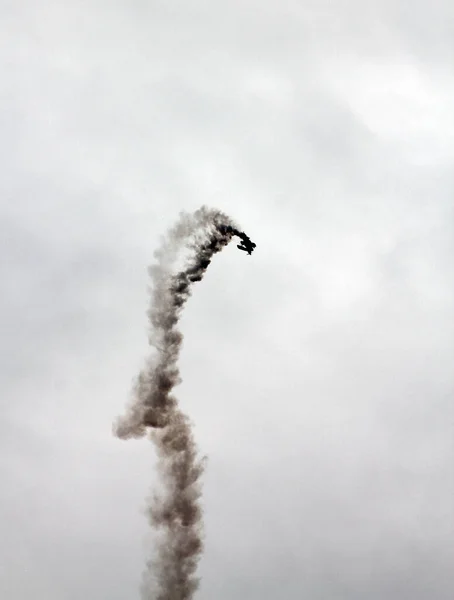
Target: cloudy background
(318, 372)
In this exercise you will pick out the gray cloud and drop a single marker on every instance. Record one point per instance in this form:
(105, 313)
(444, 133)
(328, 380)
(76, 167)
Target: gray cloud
(327, 409)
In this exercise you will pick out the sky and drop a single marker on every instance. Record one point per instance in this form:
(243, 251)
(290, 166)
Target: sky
(317, 372)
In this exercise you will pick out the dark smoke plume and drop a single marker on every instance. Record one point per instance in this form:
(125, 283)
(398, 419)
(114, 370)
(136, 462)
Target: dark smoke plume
(176, 511)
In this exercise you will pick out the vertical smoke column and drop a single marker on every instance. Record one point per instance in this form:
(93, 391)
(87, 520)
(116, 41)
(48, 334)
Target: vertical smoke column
(176, 511)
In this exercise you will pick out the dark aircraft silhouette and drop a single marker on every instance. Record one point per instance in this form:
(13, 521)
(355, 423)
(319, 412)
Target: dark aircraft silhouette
(246, 245)
(249, 249)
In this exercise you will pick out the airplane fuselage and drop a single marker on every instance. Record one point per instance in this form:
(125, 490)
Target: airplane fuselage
(246, 244)
(248, 250)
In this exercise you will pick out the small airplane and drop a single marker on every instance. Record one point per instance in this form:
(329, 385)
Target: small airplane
(247, 246)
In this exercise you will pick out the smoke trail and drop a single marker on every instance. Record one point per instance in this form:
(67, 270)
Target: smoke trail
(176, 512)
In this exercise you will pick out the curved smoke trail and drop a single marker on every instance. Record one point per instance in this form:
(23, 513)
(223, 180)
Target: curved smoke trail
(176, 512)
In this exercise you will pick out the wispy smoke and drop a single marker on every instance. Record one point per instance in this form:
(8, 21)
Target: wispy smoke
(176, 511)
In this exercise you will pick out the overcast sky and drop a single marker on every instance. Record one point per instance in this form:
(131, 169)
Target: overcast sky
(318, 371)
